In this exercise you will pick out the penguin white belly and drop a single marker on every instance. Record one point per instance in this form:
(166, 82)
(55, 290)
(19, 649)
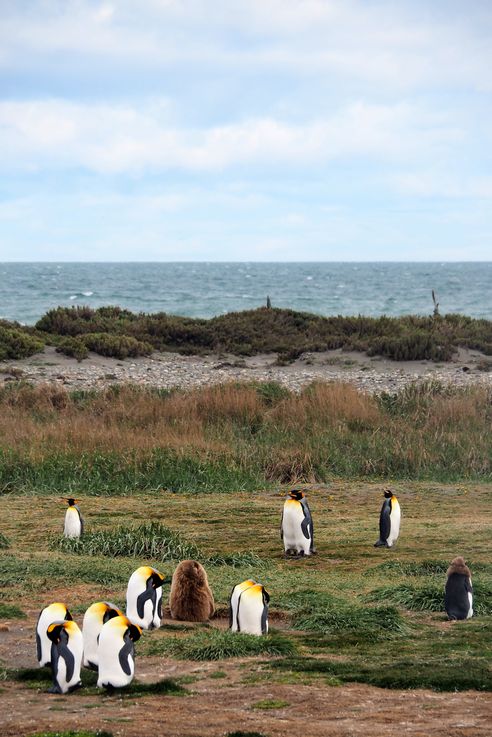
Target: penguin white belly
(49, 614)
(251, 612)
(236, 593)
(73, 527)
(394, 524)
(91, 629)
(61, 676)
(110, 670)
(470, 610)
(293, 535)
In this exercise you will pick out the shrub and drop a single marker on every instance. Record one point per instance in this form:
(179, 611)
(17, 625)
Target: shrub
(116, 346)
(74, 347)
(15, 343)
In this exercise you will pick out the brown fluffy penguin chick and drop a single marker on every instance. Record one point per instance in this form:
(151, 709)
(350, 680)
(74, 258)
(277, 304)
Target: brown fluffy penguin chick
(191, 598)
(459, 566)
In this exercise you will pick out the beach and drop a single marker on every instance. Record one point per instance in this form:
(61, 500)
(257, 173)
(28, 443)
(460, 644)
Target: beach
(169, 370)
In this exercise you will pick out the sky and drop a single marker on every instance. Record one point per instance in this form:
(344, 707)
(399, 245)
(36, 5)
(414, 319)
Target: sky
(245, 130)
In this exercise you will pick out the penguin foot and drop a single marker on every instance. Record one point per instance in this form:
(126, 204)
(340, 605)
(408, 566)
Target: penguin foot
(75, 687)
(55, 689)
(381, 544)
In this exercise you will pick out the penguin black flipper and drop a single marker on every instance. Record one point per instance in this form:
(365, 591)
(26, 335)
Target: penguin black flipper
(384, 524)
(82, 526)
(38, 647)
(66, 654)
(282, 526)
(307, 521)
(149, 593)
(264, 614)
(127, 650)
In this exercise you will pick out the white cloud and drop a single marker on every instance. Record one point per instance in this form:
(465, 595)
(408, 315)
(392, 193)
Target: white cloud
(105, 139)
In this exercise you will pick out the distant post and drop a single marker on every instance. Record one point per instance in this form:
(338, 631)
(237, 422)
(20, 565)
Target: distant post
(436, 305)
(269, 304)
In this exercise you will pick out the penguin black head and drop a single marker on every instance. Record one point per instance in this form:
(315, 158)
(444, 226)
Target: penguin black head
(156, 579)
(54, 631)
(134, 632)
(70, 500)
(110, 613)
(388, 493)
(296, 494)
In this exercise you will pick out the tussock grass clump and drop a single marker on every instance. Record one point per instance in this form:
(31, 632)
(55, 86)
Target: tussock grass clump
(320, 612)
(18, 571)
(426, 568)
(437, 673)
(151, 540)
(4, 541)
(215, 644)
(430, 597)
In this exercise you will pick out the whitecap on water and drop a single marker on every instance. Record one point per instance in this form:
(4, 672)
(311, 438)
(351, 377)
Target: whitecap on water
(309, 278)
(73, 296)
(87, 294)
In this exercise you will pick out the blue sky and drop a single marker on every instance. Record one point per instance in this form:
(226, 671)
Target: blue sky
(261, 130)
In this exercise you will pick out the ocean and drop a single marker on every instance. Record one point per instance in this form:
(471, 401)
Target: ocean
(28, 290)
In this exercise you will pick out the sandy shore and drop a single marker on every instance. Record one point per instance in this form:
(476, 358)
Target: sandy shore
(168, 370)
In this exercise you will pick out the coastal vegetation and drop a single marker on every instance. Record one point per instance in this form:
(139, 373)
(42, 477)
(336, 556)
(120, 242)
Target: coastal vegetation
(117, 332)
(230, 437)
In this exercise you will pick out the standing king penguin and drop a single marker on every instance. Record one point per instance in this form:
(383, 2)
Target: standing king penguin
(234, 601)
(389, 521)
(56, 612)
(94, 618)
(144, 598)
(252, 610)
(296, 529)
(74, 523)
(66, 655)
(458, 597)
(116, 652)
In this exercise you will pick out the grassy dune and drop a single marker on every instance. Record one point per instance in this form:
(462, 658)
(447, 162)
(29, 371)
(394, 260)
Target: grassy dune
(238, 437)
(337, 617)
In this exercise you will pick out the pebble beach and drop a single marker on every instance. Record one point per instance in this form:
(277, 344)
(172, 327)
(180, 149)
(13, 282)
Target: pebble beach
(170, 370)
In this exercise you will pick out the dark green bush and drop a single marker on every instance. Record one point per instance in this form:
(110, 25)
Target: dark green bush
(16, 343)
(74, 347)
(116, 346)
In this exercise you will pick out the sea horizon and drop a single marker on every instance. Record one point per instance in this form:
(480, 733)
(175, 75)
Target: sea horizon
(28, 289)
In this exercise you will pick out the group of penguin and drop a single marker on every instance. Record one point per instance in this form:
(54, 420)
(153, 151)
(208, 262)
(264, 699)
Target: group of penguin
(108, 636)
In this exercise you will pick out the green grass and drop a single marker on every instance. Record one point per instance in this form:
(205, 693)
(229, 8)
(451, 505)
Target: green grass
(19, 571)
(4, 541)
(449, 674)
(321, 612)
(215, 644)
(123, 473)
(430, 597)
(149, 540)
(267, 704)
(11, 611)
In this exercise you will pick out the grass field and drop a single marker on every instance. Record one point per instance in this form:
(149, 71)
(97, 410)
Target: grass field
(351, 613)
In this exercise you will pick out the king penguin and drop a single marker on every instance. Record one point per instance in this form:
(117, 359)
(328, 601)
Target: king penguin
(144, 598)
(296, 529)
(252, 610)
(66, 655)
(458, 597)
(234, 600)
(56, 612)
(94, 618)
(116, 652)
(74, 523)
(389, 521)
